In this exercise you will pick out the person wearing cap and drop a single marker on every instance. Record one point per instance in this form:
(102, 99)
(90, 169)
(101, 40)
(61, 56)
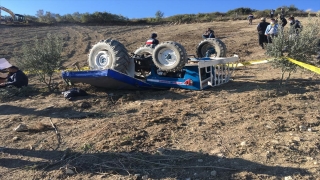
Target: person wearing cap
(261, 28)
(272, 30)
(152, 41)
(208, 34)
(15, 78)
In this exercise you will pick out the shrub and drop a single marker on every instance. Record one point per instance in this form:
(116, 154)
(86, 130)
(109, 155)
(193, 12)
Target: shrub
(159, 15)
(240, 11)
(43, 58)
(7, 93)
(301, 46)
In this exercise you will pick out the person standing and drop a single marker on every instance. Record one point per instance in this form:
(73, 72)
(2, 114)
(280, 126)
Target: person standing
(282, 11)
(272, 30)
(295, 26)
(250, 18)
(261, 28)
(271, 13)
(283, 21)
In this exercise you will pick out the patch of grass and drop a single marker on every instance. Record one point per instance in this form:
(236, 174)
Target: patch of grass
(86, 147)
(9, 92)
(31, 167)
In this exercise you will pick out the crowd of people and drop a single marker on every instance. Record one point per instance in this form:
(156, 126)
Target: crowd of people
(268, 30)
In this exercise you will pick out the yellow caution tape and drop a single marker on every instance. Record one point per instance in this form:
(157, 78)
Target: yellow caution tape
(252, 62)
(306, 66)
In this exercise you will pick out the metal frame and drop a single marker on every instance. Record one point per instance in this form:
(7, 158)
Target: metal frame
(220, 71)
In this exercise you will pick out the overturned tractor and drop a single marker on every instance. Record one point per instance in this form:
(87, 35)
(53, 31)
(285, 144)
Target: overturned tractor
(163, 66)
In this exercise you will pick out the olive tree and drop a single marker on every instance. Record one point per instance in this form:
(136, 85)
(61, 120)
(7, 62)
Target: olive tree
(301, 46)
(43, 57)
(159, 15)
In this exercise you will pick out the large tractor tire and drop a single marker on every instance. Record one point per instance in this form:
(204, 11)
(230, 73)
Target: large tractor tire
(144, 50)
(169, 56)
(109, 54)
(217, 44)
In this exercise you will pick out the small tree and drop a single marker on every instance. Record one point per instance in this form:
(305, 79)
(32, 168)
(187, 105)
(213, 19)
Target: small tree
(43, 58)
(159, 15)
(301, 46)
(40, 15)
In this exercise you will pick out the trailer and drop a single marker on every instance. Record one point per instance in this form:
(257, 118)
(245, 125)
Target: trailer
(165, 66)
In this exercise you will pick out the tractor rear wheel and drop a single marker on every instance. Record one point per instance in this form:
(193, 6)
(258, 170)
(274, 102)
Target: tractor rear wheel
(109, 54)
(217, 44)
(169, 56)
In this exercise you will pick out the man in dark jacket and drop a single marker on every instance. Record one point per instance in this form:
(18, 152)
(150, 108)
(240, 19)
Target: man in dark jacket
(152, 41)
(295, 26)
(272, 13)
(282, 11)
(208, 34)
(262, 26)
(15, 78)
(283, 20)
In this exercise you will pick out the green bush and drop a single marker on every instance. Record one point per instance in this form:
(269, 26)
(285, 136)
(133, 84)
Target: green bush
(264, 13)
(42, 58)
(240, 11)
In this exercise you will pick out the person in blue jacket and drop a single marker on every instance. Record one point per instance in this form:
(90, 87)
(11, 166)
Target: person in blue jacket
(15, 78)
(272, 30)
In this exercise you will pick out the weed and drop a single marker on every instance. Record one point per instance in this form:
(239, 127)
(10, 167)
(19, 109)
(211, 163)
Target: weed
(86, 147)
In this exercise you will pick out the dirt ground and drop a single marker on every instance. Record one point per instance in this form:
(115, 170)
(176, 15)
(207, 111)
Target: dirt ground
(248, 128)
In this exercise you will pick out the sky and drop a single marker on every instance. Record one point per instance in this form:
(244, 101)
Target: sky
(148, 8)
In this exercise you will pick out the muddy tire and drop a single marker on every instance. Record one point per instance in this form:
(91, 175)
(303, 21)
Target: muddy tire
(218, 45)
(144, 50)
(169, 56)
(109, 54)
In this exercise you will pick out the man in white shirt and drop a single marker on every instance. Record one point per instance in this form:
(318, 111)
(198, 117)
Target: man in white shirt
(272, 30)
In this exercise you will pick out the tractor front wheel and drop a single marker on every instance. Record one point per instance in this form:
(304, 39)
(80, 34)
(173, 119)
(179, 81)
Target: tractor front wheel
(169, 56)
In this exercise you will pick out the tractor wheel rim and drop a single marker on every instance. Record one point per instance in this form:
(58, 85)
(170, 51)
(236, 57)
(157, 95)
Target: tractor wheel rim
(205, 48)
(167, 57)
(102, 59)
